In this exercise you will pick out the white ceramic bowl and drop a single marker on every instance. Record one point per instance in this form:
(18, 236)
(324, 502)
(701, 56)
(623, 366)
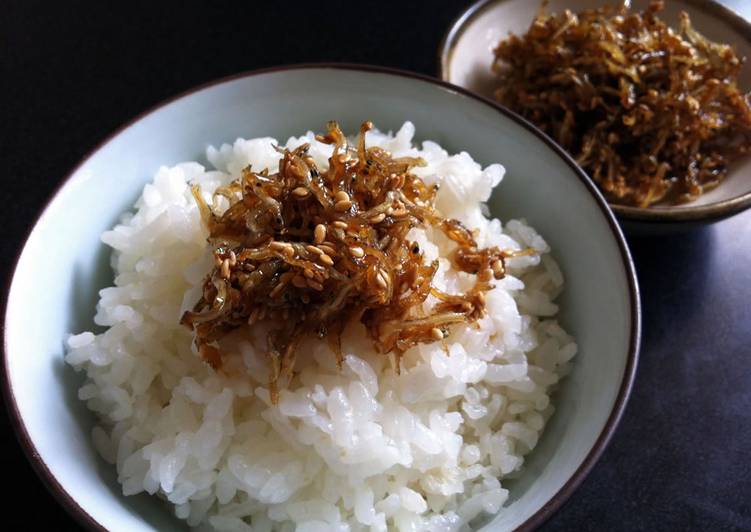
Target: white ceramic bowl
(600, 305)
(466, 55)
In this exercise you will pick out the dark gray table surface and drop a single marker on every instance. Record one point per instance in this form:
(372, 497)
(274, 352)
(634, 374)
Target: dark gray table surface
(70, 73)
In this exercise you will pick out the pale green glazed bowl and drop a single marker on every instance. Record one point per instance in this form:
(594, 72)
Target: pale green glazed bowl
(600, 305)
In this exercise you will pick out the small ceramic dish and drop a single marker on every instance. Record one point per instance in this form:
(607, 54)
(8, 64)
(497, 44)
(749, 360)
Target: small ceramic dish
(600, 305)
(466, 55)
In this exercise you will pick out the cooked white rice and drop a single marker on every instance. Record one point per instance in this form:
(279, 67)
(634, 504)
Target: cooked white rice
(357, 449)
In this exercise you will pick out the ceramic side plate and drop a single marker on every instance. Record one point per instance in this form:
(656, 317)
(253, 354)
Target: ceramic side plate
(466, 55)
(600, 305)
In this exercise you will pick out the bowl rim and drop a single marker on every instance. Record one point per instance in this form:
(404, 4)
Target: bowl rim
(58, 491)
(710, 212)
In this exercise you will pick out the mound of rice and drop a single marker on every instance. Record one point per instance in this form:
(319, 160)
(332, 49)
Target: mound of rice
(357, 449)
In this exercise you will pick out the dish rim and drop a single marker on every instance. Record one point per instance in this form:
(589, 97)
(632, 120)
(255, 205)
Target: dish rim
(60, 494)
(710, 212)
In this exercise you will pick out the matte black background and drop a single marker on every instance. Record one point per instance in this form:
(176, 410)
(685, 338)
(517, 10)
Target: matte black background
(72, 72)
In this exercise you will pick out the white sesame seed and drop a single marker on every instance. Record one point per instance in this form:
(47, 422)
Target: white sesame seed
(343, 205)
(319, 234)
(383, 278)
(300, 192)
(341, 196)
